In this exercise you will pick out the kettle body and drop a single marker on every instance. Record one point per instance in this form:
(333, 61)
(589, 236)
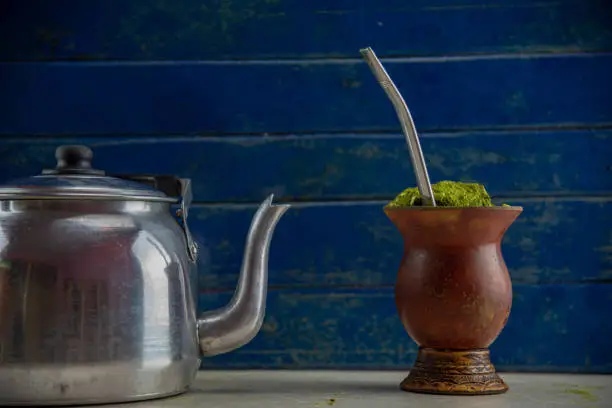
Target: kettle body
(98, 288)
(96, 303)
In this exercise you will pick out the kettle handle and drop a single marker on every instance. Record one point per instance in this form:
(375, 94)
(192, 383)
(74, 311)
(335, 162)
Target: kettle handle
(173, 187)
(186, 198)
(76, 159)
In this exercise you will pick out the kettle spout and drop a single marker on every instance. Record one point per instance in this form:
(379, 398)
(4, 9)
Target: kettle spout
(237, 323)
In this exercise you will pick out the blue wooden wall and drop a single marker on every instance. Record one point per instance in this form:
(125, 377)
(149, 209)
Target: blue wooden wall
(250, 97)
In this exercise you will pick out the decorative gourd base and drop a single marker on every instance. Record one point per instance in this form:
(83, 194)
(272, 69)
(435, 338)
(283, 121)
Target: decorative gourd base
(454, 372)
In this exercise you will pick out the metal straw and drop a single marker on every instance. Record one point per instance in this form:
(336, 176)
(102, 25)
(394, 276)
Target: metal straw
(416, 154)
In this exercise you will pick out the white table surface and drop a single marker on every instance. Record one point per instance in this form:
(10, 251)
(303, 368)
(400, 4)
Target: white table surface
(377, 389)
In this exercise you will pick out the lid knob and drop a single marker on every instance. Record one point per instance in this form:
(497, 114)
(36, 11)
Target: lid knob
(74, 160)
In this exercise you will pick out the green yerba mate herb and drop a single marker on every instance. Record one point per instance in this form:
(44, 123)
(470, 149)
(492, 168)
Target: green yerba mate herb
(447, 194)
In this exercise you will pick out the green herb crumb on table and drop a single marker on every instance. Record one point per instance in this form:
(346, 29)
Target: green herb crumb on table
(447, 194)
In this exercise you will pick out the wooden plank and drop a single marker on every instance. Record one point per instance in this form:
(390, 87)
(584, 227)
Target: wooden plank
(191, 29)
(342, 167)
(551, 328)
(302, 96)
(354, 244)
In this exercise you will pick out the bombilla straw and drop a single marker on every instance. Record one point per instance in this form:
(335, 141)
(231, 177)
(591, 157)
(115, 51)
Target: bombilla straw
(412, 138)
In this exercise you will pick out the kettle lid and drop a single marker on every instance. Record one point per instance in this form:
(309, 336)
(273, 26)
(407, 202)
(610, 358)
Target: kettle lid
(74, 178)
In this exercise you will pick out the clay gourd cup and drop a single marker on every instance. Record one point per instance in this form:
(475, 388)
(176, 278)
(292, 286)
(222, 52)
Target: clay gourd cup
(453, 295)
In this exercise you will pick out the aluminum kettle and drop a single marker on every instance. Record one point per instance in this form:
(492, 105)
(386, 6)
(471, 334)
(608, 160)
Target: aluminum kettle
(97, 287)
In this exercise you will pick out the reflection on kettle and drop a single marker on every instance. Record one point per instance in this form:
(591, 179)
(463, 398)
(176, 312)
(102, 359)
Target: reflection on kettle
(50, 315)
(24, 307)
